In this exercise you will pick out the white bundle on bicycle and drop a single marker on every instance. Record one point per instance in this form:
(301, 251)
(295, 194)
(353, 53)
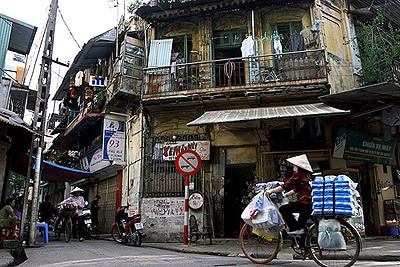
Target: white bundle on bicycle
(334, 195)
(262, 213)
(330, 236)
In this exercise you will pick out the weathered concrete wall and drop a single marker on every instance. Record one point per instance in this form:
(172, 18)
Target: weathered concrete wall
(131, 185)
(174, 123)
(334, 34)
(163, 219)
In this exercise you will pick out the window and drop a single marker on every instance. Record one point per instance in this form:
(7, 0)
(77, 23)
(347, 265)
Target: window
(183, 46)
(289, 34)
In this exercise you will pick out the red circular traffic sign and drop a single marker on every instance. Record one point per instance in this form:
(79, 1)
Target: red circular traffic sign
(188, 162)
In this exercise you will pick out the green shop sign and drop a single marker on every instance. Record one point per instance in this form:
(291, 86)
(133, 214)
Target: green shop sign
(355, 145)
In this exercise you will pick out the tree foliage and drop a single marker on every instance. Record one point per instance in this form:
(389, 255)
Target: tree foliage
(379, 46)
(133, 5)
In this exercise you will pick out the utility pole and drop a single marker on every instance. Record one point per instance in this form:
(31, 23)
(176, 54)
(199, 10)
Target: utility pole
(39, 122)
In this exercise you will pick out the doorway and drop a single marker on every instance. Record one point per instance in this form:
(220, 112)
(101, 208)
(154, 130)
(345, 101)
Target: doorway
(238, 178)
(228, 68)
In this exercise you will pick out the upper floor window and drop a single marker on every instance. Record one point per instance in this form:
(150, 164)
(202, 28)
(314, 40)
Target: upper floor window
(181, 48)
(288, 34)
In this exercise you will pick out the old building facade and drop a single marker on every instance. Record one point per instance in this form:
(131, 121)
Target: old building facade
(244, 78)
(240, 82)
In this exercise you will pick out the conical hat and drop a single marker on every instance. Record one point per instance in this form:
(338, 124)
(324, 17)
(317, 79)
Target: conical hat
(77, 189)
(301, 162)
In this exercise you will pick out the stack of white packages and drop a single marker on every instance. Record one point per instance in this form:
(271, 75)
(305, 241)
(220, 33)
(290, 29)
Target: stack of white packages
(334, 195)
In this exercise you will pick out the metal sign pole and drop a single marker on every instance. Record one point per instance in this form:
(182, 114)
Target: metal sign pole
(188, 162)
(186, 212)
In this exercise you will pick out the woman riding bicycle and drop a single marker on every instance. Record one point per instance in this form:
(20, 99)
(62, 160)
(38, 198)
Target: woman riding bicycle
(298, 184)
(79, 203)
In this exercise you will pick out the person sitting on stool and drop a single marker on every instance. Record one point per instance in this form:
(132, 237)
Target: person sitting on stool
(8, 219)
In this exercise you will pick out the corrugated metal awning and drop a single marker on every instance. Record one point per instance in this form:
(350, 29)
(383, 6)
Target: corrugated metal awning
(281, 112)
(10, 117)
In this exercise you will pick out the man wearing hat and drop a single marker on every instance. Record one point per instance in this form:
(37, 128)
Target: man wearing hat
(298, 184)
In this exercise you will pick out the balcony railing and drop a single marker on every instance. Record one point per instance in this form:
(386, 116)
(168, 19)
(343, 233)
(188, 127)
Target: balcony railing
(256, 71)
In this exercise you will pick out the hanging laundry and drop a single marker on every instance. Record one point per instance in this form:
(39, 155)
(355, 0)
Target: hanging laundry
(79, 78)
(247, 47)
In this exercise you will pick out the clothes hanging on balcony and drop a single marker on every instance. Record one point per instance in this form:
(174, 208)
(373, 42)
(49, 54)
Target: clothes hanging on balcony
(173, 70)
(247, 47)
(278, 46)
(79, 78)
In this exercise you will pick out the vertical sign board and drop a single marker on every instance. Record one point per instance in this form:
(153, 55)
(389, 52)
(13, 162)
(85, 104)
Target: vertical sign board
(113, 140)
(188, 162)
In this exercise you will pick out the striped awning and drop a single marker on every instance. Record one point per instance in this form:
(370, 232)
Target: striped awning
(281, 112)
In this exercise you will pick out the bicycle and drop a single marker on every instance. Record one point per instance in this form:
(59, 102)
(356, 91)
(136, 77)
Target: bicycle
(262, 247)
(64, 223)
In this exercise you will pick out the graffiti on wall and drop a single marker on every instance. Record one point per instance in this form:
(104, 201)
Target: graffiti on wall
(164, 208)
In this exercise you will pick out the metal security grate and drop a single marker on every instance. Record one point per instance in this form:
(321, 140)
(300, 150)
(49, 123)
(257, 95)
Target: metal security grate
(161, 178)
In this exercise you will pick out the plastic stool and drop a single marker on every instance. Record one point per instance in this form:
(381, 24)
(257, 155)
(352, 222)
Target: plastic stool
(45, 226)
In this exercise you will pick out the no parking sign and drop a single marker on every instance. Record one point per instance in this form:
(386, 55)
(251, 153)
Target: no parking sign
(188, 162)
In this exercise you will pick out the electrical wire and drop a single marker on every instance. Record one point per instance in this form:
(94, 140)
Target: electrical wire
(65, 23)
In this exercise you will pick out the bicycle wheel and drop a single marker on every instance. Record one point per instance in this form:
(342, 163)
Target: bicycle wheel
(257, 246)
(335, 257)
(67, 230)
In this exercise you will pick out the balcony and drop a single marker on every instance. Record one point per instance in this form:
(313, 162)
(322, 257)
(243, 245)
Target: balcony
(261, 73)
(127, 76)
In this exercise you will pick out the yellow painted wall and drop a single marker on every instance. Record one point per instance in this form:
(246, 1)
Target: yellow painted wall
(334, 36)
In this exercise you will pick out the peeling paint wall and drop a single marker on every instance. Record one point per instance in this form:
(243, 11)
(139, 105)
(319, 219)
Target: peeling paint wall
(334, 32)
(163, 219)
(131, 186)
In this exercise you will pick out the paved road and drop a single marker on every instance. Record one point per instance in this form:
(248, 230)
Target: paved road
(106, 253)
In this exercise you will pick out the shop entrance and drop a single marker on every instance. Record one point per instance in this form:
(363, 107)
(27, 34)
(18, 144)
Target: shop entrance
(238, 177)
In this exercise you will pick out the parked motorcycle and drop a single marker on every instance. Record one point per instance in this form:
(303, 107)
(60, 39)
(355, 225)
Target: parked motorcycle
(127, 229)
(87, 222)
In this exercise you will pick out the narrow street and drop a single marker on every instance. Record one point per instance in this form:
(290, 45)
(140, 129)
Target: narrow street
(108, 253)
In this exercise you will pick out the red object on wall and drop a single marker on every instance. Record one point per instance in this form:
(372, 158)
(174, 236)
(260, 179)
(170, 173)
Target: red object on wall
(118, 197)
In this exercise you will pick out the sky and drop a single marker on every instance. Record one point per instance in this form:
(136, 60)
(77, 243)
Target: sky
(84, 19)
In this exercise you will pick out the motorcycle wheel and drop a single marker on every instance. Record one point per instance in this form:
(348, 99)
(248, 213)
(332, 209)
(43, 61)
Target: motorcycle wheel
(57, 233)
(88, 232)
(136, 239)
(115, 235)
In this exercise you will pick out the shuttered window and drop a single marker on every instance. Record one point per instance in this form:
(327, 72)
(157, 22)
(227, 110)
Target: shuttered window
(160, 53)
